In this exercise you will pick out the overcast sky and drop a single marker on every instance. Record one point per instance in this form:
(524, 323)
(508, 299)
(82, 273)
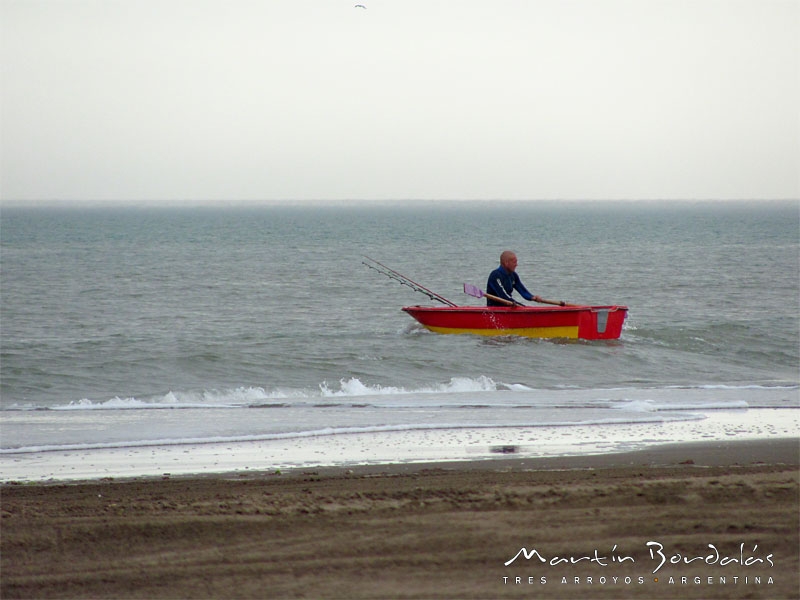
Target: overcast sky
(139, 101)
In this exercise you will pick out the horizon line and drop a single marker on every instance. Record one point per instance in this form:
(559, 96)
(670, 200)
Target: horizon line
(289, 202)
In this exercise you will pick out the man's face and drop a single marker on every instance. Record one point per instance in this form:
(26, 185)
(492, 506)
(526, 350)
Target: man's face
(510, 263)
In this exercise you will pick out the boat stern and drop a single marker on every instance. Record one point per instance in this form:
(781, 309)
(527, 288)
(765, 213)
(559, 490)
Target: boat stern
(602, 322)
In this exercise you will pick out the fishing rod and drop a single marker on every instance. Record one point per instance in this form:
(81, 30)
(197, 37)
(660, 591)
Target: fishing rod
(392, 274)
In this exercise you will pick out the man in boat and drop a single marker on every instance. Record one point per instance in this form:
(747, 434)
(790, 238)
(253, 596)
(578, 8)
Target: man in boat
(504, 280)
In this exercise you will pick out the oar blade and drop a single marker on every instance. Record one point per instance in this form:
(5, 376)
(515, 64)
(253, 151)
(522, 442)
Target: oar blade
(474, 291)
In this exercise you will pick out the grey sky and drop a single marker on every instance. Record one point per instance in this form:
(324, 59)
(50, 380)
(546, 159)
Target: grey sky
(217, 100)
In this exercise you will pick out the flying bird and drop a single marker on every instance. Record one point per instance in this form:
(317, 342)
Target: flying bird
(360, 6)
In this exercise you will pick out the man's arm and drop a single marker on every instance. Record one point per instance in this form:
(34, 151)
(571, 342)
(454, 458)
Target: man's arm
(523, 291)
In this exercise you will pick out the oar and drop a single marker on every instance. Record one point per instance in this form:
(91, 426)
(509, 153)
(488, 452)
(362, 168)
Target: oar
(477, 292)
(472, 290)
(555, 302)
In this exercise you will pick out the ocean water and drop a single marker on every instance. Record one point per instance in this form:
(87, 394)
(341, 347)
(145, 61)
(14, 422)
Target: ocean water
(239, 338)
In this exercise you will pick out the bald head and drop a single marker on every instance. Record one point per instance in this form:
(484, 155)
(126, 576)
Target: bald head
(508, 260)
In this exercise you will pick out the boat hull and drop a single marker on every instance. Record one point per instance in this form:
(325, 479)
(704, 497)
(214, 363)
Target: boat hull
(582, 322)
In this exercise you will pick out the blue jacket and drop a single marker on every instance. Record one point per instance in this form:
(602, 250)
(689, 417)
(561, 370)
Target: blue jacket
(502, 283)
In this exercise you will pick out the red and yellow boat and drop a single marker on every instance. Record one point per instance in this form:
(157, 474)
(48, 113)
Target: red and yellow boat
(559, 320)
(569, 322)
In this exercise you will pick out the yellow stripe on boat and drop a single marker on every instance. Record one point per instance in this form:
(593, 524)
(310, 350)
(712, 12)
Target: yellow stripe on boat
(569, 332)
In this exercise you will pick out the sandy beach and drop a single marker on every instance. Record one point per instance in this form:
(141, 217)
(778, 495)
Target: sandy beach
(707, 520)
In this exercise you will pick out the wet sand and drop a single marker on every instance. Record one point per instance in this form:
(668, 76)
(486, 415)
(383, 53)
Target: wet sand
(727, 514)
